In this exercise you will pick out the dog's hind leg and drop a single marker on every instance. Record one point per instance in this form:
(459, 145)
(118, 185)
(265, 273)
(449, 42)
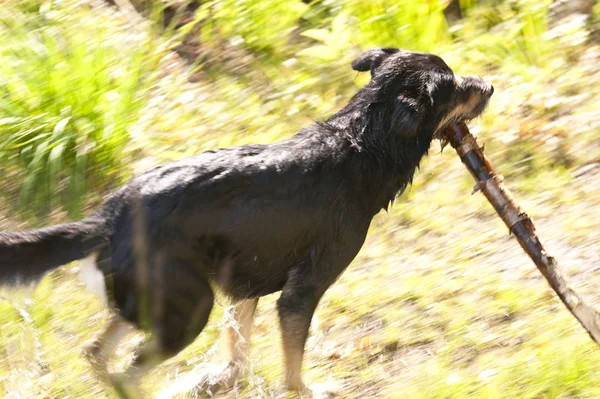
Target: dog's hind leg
(231, 359)
(184, 306)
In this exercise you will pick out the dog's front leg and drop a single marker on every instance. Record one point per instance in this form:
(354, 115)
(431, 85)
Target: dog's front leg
(234, 343)
(296, 305)
(102, 348)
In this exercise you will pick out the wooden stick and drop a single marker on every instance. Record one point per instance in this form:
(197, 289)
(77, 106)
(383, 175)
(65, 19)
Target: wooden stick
(520, 224)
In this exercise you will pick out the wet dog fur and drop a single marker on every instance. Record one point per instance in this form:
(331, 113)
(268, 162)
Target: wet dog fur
(252, 220)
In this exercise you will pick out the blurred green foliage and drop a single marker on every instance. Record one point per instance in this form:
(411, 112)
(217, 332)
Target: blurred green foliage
(262, 25)
(448, 306)
(71, 85)
(75, 80)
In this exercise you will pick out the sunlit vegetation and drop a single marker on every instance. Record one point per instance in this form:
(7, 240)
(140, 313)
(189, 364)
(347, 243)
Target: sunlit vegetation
(441, 303)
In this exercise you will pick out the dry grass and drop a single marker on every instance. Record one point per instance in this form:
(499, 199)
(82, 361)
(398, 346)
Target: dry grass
(440, 303)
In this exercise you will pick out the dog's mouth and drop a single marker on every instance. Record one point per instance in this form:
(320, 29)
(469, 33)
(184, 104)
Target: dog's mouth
(477, 93)
(452, 119)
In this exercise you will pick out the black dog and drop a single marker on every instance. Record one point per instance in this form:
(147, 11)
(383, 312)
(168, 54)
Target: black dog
(252, 220)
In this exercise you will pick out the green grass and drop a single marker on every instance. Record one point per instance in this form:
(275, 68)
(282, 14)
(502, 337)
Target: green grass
(440, 303)
(72, 87)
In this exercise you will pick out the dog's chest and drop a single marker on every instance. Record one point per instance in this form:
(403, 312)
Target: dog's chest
(93, 277)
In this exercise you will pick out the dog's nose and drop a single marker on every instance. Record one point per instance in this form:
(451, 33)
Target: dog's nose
(486, 89)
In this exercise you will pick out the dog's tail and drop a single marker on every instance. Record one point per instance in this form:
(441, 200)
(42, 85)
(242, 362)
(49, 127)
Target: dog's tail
(26, 256)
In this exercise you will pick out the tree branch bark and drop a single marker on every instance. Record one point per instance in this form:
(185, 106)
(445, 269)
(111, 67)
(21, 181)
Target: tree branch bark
(520, 224)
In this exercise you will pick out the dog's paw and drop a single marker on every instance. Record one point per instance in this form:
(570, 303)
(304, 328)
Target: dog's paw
(329, 389)
(91, 351)
(205, 380)
(125, 387)
(217, 377)
(325, 390)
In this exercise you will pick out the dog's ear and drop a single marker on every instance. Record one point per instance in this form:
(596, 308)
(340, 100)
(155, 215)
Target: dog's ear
(371, 59)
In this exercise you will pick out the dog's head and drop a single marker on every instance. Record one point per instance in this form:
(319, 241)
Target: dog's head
(417, 93)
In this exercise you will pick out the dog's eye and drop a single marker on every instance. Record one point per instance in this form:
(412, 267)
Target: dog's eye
(442, 88)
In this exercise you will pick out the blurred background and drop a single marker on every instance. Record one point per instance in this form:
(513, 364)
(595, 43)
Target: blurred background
(440, 303)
